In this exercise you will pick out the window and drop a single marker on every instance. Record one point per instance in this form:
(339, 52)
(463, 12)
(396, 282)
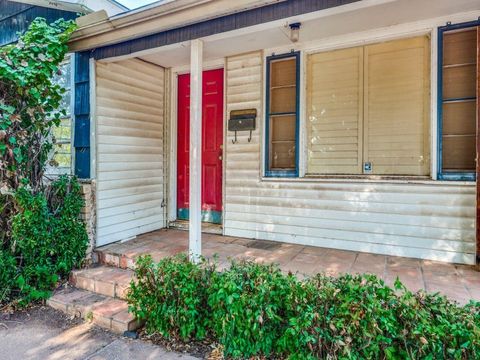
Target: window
(282, 115)
(457, 96)
(61, 162)
(368, 109)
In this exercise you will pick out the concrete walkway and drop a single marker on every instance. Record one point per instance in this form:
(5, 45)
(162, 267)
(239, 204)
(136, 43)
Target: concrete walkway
(46, 334)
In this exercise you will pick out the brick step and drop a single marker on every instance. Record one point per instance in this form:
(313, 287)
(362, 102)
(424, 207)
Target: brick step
(107, 256)
(106, 312)
(124, 255)
(103, 280)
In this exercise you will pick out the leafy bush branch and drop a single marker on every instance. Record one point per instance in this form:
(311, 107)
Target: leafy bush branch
(29, 101)
(255, 310)
(41, 236)
(48, 239)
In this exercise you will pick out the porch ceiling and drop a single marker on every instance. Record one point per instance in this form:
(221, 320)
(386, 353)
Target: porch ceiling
(315, 26)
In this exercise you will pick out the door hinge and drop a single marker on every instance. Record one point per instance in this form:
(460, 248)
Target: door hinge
(164, 203)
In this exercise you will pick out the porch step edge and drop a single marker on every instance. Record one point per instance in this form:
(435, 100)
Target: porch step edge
(104, 256)
(103, 280)
(106, 312)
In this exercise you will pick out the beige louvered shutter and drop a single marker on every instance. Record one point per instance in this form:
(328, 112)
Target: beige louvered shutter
(396, 107)
(335, 112)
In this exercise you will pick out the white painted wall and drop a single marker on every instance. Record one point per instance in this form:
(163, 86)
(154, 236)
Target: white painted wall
(129, 111)
(422, 219)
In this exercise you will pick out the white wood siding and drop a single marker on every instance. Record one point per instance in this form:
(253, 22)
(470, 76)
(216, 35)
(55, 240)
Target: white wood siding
(431, 220)
(130, 164)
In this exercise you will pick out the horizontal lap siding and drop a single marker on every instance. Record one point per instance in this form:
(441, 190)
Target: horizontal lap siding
(433, 221)
(130, 161)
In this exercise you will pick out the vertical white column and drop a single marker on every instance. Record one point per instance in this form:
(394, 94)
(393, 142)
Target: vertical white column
(195, 211)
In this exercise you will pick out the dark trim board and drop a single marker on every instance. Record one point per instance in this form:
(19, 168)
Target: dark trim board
(441, 175)
(218, 25)
(81, 113)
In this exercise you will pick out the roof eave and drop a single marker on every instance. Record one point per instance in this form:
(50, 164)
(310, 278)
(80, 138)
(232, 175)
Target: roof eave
(153, 19)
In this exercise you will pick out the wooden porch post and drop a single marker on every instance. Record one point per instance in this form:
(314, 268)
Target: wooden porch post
(195, 199)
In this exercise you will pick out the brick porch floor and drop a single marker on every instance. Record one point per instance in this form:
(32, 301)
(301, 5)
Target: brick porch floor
(459, 282)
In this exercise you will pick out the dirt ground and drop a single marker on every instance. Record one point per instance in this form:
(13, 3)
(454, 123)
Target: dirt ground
(46, 334)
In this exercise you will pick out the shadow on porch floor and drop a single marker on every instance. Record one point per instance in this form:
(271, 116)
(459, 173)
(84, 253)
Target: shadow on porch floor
(459, 282)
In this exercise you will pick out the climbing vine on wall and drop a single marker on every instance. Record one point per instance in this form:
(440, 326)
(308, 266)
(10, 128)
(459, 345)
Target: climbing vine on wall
(41, 235)
(29, 101)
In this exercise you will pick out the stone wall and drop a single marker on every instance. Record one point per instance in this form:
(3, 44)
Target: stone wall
(88, 213)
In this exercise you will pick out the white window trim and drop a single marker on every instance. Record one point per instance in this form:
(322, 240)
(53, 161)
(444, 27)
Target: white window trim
(302, 122)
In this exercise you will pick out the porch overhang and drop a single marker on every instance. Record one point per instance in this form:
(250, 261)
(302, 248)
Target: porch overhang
(263, 27)
(157, 18)
(254, 29)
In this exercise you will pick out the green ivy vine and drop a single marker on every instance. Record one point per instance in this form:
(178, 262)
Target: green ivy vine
(29, 102)
(41, 234)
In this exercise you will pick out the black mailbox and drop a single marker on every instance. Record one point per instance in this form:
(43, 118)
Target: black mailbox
(242, 120)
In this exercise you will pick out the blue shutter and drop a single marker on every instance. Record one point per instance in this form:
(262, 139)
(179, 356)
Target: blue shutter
(81, 113)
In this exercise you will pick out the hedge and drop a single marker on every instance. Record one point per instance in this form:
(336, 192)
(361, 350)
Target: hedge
(256, 310)
(47, 240)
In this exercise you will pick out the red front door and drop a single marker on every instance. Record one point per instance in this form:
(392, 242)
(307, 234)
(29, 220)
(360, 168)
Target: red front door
(212, 141)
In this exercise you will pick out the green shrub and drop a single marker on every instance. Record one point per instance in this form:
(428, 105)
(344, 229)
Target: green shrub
(247, 303)
(8, 272)
(347, 317)
(48, 239)
(358, 317)
(171, 296)
(255, 310)
(431, 326)
(41, 236)
(67, 231)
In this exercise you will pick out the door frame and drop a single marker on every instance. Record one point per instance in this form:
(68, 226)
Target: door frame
(172, 137)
